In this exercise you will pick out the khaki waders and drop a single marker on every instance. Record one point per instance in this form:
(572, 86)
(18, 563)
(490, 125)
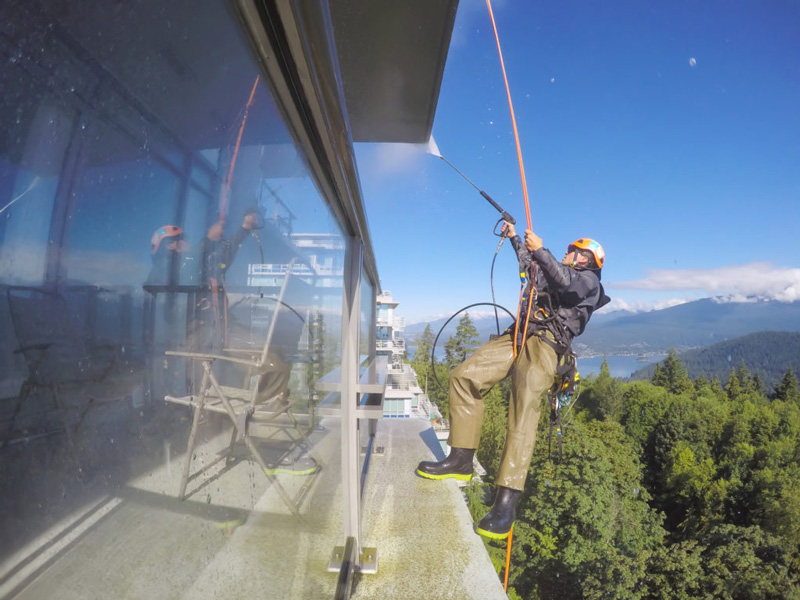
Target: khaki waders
(533, 374)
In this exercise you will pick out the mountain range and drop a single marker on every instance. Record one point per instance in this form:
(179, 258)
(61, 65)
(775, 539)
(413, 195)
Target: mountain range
(691, 325)
(694, 324)
(766, 353)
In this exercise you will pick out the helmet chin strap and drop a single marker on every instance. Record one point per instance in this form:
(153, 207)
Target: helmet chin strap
(574, 262)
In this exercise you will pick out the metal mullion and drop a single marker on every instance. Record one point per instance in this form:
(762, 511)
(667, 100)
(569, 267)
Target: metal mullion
(351, 306)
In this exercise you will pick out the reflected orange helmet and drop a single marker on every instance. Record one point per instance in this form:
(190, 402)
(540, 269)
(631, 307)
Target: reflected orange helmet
(161, 233)
(592, 246)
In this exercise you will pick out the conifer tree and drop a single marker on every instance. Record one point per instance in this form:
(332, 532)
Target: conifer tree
(745, 380)
(672, 375)
(461, 345)
(605, 396)
(757, 384)
(787, 390)
(733, 388)
(421, 363)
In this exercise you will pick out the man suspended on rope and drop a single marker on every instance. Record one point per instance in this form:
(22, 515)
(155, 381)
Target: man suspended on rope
(557, 303)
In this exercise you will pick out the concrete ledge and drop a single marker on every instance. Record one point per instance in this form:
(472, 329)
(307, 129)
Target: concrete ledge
(422, 529)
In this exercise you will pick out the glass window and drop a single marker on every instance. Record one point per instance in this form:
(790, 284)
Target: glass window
(164, 247)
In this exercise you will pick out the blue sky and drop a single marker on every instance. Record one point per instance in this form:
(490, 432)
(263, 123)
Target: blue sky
(669, 132)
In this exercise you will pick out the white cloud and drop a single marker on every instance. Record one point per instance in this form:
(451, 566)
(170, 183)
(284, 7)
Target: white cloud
(759, 279)
(619, 304)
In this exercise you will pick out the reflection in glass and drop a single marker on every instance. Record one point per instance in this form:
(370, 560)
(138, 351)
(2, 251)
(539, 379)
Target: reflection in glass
(161, 236)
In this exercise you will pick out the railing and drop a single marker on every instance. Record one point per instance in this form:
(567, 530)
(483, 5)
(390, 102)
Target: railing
(396, 323)
(398, 344)
(398, 386)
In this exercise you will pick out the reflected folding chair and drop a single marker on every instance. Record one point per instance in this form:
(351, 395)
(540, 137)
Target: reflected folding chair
(57, 354)
(246, 407)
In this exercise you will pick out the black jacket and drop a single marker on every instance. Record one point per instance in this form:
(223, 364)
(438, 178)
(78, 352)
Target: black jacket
(573, 294)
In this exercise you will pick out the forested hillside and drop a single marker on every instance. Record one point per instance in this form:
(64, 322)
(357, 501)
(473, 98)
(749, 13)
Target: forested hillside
(667, 489)
(678, 490)
(767, 354)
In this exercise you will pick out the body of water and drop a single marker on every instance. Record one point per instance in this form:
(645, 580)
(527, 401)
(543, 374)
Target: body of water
(618, 366)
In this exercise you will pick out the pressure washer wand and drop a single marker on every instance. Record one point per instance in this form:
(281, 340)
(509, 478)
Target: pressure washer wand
(506, 217)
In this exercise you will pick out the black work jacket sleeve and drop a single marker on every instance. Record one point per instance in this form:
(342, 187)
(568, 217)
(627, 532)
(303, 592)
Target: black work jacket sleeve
(523, 255)
(574, 293)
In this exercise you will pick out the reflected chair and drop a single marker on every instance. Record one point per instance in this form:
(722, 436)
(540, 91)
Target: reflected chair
(58, 355)
(260, 404)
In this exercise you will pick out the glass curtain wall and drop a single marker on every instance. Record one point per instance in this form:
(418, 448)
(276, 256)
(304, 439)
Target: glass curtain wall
(161, 236)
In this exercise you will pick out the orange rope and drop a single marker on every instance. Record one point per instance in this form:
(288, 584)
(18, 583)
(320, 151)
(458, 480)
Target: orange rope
(530, 226)
(226, 188)
(508, 558)
(516, 322)
(513, 119)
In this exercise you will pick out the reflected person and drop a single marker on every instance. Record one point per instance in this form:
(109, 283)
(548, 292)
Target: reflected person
(217, 322)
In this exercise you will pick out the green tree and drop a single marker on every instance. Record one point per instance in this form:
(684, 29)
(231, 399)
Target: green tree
(438, 394)
(746, 563)
(643, 409)
(604, 395)
(787, 390)
(733, 387)
(675, 572)
(745, 380)
(696, 491)
(585, 529)
(672, 375)
(757, 384)
(421, 363)
(461, 345)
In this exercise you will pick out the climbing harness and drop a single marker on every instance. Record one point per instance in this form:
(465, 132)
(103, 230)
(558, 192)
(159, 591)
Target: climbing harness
(562, 394)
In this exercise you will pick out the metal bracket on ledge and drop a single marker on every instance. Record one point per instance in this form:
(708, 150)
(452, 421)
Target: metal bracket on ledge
(368, 559)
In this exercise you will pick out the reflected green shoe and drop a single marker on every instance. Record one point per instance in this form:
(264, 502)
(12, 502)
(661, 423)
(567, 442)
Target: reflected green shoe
(458, 465)
(303, 465)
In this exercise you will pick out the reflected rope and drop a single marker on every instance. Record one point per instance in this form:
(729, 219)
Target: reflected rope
(226, 187)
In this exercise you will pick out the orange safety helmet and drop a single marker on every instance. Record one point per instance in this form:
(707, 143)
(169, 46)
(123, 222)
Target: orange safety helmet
(592, 246)
(161, 233)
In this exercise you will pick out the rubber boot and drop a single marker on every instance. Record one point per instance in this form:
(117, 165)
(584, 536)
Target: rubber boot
(457, 465)
(499, 520)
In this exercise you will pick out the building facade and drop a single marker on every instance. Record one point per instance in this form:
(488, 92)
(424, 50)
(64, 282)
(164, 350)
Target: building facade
(178, 190)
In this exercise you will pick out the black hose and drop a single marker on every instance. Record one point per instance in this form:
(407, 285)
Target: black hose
(446, 323)
(491, 275)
